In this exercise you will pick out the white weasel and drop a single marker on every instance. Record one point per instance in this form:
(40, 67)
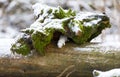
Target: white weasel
(61, 41)
(110, 73)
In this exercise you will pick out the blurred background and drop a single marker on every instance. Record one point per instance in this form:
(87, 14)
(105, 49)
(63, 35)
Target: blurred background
(18, 14)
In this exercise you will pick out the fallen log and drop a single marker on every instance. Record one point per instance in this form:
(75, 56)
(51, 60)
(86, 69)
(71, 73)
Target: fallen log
(68, 61)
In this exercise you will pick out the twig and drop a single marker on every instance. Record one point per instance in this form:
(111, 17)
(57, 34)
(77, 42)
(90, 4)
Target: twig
(66, 69)
(70, 73)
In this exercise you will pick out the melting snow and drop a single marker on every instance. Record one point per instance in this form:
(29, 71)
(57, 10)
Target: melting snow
(110, 73)
(61, 41)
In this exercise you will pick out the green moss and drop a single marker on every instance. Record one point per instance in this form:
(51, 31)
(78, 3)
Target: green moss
(61, 13)
(21, 47)
(40, 41)
(50, 11)
(98, 29)
(86, 33)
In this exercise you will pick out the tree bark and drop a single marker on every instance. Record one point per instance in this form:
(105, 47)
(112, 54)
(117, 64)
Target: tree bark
(65, 62)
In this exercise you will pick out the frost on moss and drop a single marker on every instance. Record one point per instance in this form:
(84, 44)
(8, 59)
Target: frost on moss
(79, 27)
(22, 46)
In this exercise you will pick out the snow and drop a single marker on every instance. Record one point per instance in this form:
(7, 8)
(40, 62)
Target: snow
(55, 24)
(48, 21)
(3, 1)
(75, 27)
(73, 5)
(61, 41)
(110, 73)
(11, 5)
(38, 7)
(41, 27)
(36, 24)
(110, 43)
(84, 15)
(88, 49)
(5, 45)
(9, 32)
(91, 23)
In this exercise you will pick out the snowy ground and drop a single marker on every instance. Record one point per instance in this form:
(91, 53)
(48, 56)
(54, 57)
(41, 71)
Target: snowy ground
(8, 32)
(5, 45)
